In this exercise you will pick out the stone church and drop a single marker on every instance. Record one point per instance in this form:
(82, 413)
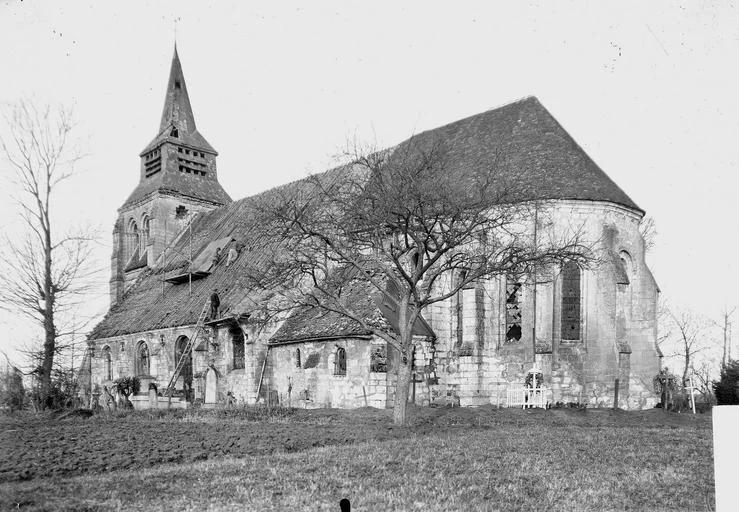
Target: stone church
(179, 236)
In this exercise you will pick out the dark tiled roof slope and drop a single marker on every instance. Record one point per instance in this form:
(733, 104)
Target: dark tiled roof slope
(177, 113)
(310, 323)
(191, 139)
(151, 303)
(544, 162)
(314, 322)
(188, 185)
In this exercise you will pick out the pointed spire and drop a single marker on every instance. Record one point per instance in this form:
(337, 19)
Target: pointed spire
(178, 121)
(177, 111)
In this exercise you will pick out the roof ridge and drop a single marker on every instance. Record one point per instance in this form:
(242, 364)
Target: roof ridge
(523, 102)
(586, 155)
(473, 116)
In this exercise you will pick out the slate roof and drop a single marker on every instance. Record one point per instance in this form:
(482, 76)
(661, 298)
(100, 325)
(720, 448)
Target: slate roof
(544, 162)
(307, 323)
(151, 303)
(310, 323)
(177, 113)
(197, 187)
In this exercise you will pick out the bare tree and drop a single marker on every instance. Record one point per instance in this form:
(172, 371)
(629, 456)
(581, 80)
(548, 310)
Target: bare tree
(690, 338)
(648, 230)
(46, 273)
(705, 373)
(405, 224)
(725, 327)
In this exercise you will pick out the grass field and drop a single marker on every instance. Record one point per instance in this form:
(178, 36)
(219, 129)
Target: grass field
(448, 459)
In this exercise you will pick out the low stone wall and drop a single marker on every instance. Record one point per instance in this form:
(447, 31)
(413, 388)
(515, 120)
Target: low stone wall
(141, 402)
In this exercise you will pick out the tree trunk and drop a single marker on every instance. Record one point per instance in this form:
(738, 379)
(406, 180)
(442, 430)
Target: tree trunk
(401, 390)
(48, 363)
(687, 364)
(49, 327)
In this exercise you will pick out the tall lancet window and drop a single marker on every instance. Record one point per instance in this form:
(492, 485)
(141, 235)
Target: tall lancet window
(513, 310)
(142, 359)
(108, 362)
(340, 362)
(460, 277)
(571, 301)
(145, 232)
(133, 239)
(237, 341)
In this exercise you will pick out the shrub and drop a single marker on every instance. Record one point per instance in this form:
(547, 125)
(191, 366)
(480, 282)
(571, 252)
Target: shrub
(725, 387)
(128, 385)
(667, 387)
(529, 382)
(12, 393)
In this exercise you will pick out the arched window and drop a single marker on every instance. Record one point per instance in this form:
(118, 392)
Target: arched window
(142, 359)
(571, 301)
(297, 358)
(108, 363)
(237, 342)
(133, 239)
(340, 362)
(513, 310)
(179, 349)
(627, 267)
(145, 232)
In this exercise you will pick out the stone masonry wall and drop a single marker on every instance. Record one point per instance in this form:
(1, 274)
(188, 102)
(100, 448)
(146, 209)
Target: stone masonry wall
(315, 383)
(480, 368)
(470, 362)
(213, 353)
(164, 228)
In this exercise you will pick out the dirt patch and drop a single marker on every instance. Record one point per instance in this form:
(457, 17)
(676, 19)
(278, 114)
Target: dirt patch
(45, 447)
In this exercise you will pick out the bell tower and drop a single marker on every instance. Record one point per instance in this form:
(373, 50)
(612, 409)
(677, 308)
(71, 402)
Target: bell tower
(178, 179)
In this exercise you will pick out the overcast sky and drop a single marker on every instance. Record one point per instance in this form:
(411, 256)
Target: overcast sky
(648, 89)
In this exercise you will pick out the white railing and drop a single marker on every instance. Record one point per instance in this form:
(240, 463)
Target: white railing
(527, 397)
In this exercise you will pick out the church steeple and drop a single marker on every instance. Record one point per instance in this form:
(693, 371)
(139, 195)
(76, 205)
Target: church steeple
(178, 121)
(177, 111)
(177, 174)
(179, 159)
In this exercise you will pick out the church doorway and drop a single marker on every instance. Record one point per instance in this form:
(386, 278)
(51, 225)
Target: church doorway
(186, 373)
(211, 386)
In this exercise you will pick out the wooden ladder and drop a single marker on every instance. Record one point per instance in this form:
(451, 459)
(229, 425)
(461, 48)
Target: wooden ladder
(188, 348)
